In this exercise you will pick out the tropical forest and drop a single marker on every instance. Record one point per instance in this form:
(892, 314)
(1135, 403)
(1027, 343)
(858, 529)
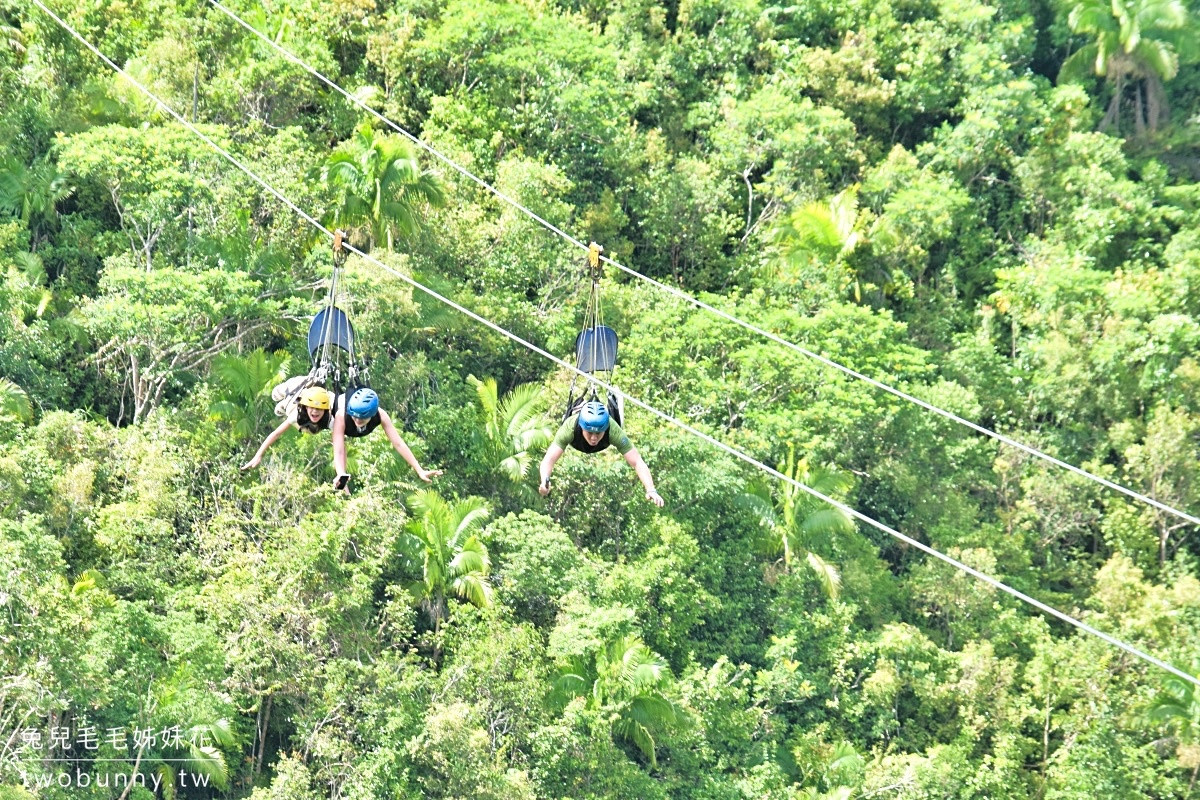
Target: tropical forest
(896, 493)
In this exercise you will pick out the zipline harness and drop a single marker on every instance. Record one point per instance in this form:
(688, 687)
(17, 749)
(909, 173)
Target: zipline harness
(331, 341)
(332, 336)
(595, 346)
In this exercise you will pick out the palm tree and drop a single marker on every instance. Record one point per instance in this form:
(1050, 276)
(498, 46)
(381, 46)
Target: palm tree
(824, 233)
(512, 427)
(380, 186)
(244, 383)
(628, 680)
(454, 560)
(1178, 708)
(196, 744)
(32, 193)
(822, 230)
(1132, 42)
(794, 519)
(198, 749)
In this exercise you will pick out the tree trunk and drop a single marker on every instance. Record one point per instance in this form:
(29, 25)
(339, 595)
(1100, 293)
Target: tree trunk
(1139, 106)
(1113, 115)
(137, 762)
(135, 382)
(1157, 110)
(1164, 535)
(264, 721)
(1046, 738)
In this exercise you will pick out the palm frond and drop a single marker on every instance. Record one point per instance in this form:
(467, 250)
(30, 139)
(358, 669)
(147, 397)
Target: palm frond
(641, 667)
(1090, 17)
(845, 757)
(399, 214)
(827, 574)
(516, 466)
(428, 502)
(210, 761)
(88, 580)
(1160, 57)
(520, 406)
(810, 232)
(638, 735)
(343, 168)
(1079, 66)
(471, 558)
(470, 514)
(436, 569)
(486, 394)
(12, 186)
(14, 402)
(574, 680)
(1164, 15)
(535, 438)
(166, 778)
(825, 523)
(249, 376)
(758, 501)
(475, 589)
(652, 712)
(828, 481)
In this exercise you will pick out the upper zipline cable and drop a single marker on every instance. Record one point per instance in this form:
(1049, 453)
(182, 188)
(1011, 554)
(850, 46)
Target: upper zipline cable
(698, 303)
(981, 576)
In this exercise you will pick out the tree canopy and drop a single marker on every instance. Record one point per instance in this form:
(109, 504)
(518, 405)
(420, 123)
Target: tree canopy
(989, 205)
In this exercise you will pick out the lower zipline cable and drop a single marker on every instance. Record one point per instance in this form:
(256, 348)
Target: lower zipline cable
(955, 563)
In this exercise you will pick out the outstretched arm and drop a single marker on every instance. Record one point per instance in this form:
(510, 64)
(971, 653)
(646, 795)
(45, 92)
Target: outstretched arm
(634, 459)
(403, 449)
(553, 454)
(270, 440)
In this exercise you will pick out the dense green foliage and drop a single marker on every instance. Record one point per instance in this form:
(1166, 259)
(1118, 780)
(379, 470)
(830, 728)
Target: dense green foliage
(995, 206)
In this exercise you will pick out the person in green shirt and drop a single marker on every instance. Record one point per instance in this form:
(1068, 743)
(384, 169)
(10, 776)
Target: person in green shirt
(590, 431)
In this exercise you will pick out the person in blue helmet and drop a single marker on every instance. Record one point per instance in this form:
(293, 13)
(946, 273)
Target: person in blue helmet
(591, 430)
(358, 414)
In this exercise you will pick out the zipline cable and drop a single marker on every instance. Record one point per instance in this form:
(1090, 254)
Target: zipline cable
(981, 576)
(682, 295)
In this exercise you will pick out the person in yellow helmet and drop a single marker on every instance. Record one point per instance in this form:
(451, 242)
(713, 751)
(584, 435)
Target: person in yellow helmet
(313, 413)
(358, 415)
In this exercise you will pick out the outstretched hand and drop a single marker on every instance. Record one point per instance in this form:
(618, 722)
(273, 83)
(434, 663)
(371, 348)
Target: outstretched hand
(428, 475)
(544, 489)
(251, 464)
(655, 497)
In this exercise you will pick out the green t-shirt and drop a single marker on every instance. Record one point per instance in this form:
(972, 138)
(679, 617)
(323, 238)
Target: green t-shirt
(616, 435)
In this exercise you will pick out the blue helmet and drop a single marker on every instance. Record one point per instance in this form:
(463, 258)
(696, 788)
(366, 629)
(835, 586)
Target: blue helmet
(363, 404)
(593, 417)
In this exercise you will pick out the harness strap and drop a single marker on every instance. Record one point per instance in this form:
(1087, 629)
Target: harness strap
(325, 368)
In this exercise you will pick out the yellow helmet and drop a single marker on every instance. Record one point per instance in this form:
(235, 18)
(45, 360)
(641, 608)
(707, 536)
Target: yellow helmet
(315, 397)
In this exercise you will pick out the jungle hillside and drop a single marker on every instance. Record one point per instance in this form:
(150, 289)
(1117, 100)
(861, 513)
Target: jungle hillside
(993, 207)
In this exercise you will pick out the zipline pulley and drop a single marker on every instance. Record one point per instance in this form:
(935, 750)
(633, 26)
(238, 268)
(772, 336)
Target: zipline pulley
(596, 344)
(331, 340)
